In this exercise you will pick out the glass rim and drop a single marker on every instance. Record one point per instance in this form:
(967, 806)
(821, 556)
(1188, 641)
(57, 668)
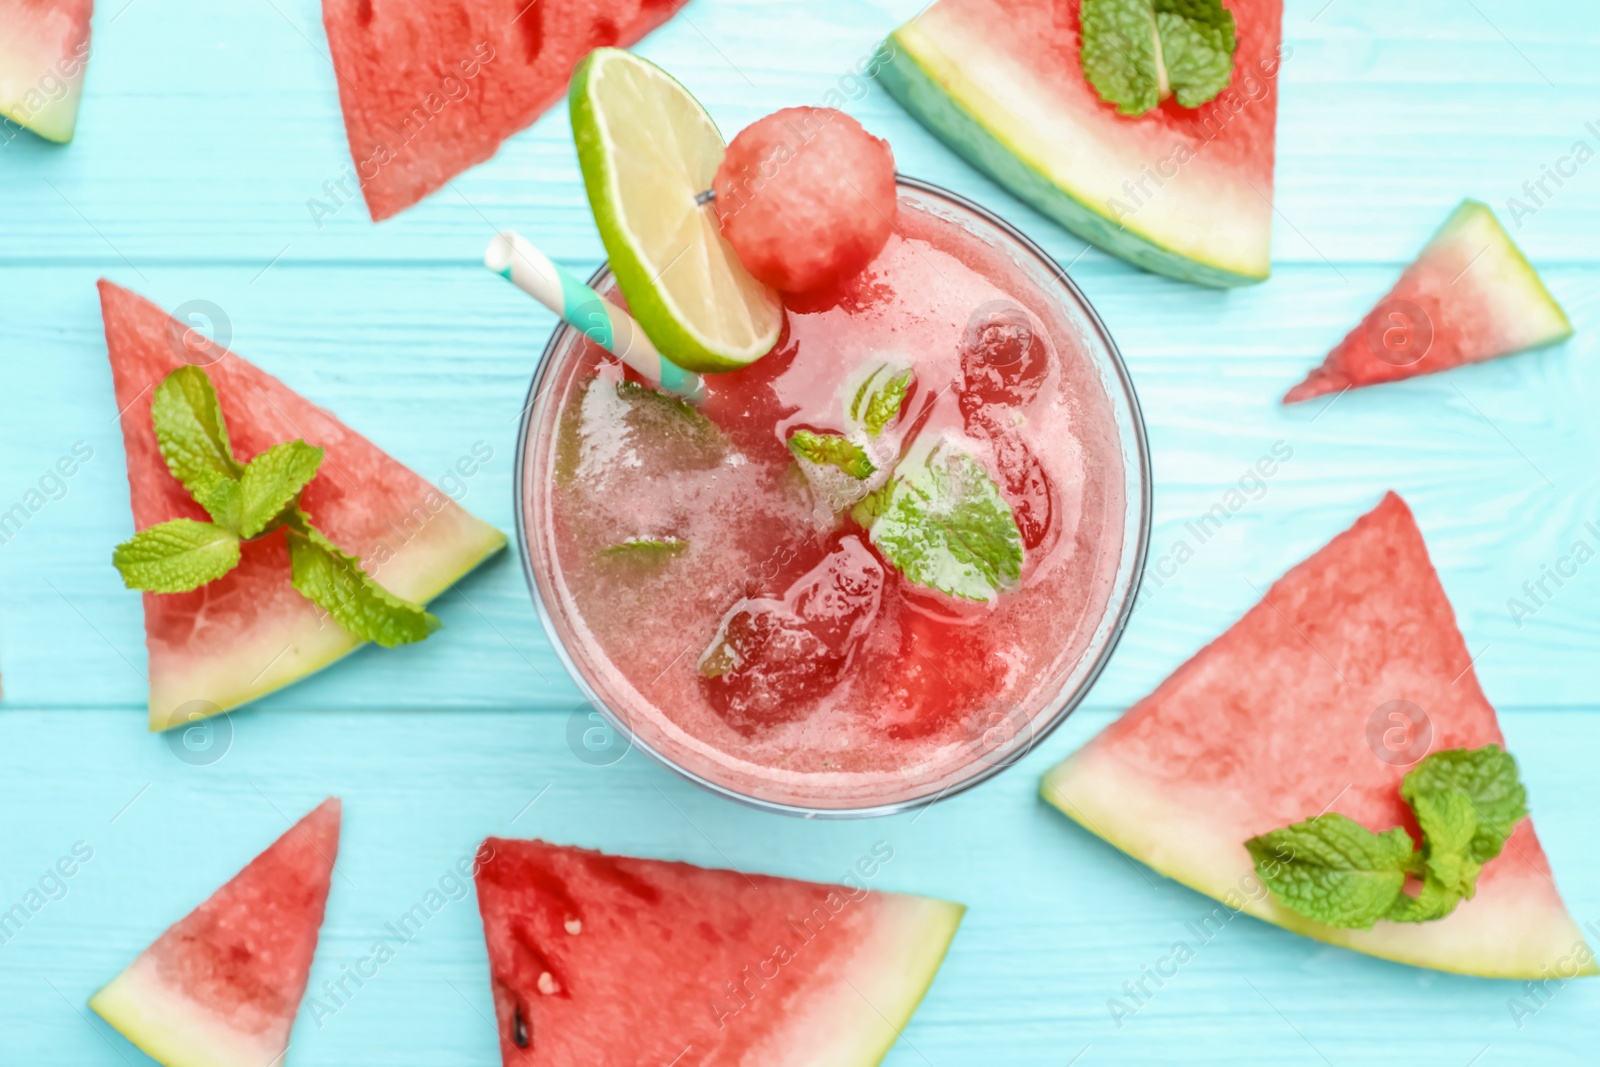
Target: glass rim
(984, 770)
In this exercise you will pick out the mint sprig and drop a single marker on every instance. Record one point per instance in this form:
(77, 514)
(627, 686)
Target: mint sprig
(1333, 870)
(267, 485)
(1137, 52)
(247, 500)
(832, 450)
(943, 523)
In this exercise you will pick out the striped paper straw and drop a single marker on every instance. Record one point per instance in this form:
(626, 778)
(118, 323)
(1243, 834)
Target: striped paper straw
(516, 260)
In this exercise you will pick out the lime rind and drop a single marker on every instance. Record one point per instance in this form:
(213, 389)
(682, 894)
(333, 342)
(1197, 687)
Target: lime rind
(682, 280)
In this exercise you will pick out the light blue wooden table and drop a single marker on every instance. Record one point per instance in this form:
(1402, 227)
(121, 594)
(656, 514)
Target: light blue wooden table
(205, 129)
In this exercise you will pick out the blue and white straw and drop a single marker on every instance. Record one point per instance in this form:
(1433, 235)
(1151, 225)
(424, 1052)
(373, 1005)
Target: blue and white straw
(524, 266)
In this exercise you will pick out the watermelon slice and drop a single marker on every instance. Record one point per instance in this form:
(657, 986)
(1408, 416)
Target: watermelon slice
(1286, 715)
(221, 987)
(1187, 193)
(598, 959)
(249, 633)
(43, 53)
(1470, 296)
(430, 89)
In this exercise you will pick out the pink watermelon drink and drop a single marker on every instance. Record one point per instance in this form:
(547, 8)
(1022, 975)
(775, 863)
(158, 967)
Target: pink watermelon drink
(739, 585)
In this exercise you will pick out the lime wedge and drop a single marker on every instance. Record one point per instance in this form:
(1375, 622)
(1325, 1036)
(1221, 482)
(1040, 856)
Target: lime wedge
(647, 149)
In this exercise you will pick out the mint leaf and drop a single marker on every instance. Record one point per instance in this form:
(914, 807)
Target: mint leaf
(718, 660)
(272, 480)
(176, 556)
(832, 450)
(190, 430)
(643, 553)
(655, 404)
(1197, 45)
(945, 525)
(878, 400)
(1487, 778)
(1136, 52)
(874, 504)
(334, 581)
(1119, 53)
(220, 495)
(1333, 870)
(1435, 901)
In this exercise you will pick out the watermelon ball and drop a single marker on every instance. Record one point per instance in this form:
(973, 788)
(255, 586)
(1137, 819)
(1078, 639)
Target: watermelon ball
(806, 197)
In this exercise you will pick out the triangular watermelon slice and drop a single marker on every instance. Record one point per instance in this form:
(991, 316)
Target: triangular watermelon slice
(44, 48)
(249, 632)
(1287, 715)
(598, 959)
(1470, 296)
(430, 89)
(1183, 192)
(221, 987)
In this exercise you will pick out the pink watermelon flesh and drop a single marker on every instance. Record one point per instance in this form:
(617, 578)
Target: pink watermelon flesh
(806, 197)
(598, 959)
(1289, 714)
(1470, 296)
(44, 48)
(222, 986)
(430, 89)
(249, 632)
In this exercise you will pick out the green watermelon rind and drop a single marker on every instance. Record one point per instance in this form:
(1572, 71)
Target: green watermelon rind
(905, 71)
(171, 1029)
(312, 643)
(1105, 802)
(660, 323)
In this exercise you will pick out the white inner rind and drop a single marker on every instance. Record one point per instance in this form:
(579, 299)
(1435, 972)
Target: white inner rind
(175, 1030)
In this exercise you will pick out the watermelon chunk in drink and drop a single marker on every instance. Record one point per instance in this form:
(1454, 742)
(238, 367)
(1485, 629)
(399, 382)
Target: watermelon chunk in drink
(771, 658)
